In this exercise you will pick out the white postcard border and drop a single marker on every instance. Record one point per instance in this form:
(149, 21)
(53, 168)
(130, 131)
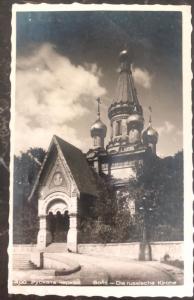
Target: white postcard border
(119, 291)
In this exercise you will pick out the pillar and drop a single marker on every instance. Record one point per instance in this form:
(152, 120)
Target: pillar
(44, 235)
(72, 236)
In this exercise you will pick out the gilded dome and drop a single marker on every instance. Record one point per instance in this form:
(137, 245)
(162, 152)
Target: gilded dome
(98, 129)
(150, 135)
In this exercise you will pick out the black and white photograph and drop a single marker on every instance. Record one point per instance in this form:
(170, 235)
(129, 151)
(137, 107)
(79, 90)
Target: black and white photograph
(101, 150)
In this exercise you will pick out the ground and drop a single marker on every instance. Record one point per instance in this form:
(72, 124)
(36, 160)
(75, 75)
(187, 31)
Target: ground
(103, 270)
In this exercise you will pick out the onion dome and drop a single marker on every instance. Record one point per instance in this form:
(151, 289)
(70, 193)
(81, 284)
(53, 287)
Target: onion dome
(150, 136)
(124, 57)
(98, 128)
(135, 121)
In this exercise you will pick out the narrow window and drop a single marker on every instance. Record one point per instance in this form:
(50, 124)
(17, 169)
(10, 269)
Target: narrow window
(118, 128)
(95, 141)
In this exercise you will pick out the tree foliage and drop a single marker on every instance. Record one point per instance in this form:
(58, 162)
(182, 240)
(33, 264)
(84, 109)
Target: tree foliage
(161, 182)
(98, 226)
(109, 218)
(25, 222)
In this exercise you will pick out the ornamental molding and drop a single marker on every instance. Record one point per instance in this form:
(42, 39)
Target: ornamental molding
(119, 117)
(66, 183)
(57, 201)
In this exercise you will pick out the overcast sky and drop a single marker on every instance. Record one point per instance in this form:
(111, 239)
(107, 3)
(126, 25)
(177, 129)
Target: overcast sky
(65, 60)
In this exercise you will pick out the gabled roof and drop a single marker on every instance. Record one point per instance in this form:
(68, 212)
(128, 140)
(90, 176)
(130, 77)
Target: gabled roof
(79, 167)
(77, 163)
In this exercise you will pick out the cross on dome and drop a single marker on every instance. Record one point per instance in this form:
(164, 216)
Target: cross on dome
(150, 135)
(150, 116)
(98, 128)
(99, 102)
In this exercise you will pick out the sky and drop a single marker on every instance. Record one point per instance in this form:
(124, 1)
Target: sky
(65, 60)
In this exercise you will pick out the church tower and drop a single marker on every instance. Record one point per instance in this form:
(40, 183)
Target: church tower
(98, 130)
(125, 112)
(127, 150)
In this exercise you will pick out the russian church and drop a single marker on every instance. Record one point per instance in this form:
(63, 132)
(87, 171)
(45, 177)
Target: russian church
(65, 185)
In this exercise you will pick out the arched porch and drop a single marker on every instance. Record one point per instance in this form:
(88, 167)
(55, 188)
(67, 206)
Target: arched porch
(58, 221)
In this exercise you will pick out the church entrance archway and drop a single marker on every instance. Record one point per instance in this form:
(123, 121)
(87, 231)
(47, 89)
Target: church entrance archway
(58, 224)
(58, 220)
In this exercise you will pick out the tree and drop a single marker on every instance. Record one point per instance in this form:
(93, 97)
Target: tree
(26, 167)
(162, 183)
(98, 227)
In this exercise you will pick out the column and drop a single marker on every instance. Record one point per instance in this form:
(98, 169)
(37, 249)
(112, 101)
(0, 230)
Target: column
(72, 233)
(44, 235)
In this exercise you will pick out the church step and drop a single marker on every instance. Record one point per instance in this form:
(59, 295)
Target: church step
(21, 261)
(56, 248)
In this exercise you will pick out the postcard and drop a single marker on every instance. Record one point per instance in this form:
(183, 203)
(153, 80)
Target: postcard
(101, 150)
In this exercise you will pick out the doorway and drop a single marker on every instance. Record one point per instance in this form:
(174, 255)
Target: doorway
(58, 225)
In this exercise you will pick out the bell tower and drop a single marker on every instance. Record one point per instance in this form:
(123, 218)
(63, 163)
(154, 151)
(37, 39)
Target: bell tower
(125, 112)
(127, 150)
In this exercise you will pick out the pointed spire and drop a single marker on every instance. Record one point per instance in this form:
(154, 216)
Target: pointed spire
(125, 100)
(125, 90)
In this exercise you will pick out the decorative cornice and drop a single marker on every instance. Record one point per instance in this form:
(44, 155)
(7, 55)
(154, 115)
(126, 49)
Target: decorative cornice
(119, 108)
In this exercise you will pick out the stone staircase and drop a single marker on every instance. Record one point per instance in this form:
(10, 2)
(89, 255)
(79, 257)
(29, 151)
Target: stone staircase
(21, 261)
(56, 248)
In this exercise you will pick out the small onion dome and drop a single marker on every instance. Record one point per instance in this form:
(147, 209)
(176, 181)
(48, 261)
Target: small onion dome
(98, 129)
(124, 61)
(123, 55)
(150, 136)
(135, 121)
